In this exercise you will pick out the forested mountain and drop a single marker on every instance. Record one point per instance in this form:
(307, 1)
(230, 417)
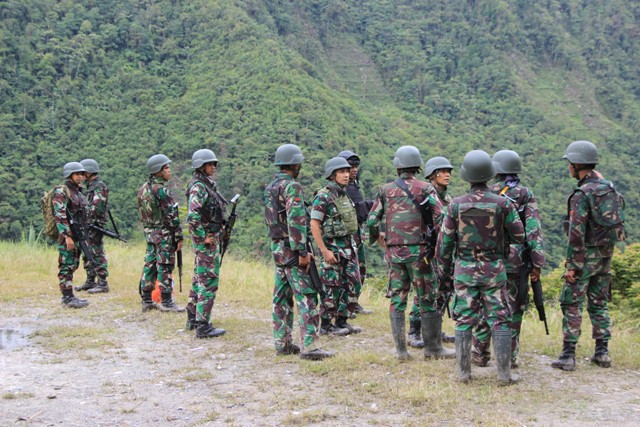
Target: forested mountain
(118, 81)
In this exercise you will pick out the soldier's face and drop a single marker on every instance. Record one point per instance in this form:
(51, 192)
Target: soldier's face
(572, 170)
(353, 173)
(210, 168)
(443, 176)
(342, 176)
(165, 172)
(77, 178)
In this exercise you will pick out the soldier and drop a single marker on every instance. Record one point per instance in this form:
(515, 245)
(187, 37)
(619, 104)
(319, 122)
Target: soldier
(286, 219)
(438, 171)
(163, 233)
(362, 210)
(400, 203)
(595, 223)
(206, 225)
(333, 225)
(97, 194)
(69, 205)
(476, 229)
(507, 165)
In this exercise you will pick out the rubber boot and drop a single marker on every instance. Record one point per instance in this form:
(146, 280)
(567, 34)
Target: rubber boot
(206, 330)
(341, 322)
(101, 288)
(463, 355)
(147, 302)
(502, 348)
(414, 334)
(567, 359)
(88, 284)
(601, 356)
(397, 330)
(315, 354)
(70, 301)
(432, 337)
(168, 305)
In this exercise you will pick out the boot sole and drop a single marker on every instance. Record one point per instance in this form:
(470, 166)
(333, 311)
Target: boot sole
(563, 368)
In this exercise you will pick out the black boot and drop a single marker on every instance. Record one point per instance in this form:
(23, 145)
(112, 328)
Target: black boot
(288, 349)
(341, 322)
(70, 301)
(432, 337)
(147, 302)
(206, 330)
(567, 359)
(463, 355)
(502, 348)
(397, 330)
(191, 317)
(88, 284)
(315, 354)
(414, 334)
(328, 328)
(168, 305)
(601, 356)
(448, 338)
(101, 288)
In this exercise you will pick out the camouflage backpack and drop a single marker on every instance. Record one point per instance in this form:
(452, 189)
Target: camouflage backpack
(607, 209)
(46, 206)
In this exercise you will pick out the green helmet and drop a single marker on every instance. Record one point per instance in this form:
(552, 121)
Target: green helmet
(477, 167)
(72, 167)
(350, 156)
(507, 162)
(582, 153)
(90, 165)
(335, 164)
(201, 157)
(288, 154)
(434, 164)
(157, 162)
(407, 156)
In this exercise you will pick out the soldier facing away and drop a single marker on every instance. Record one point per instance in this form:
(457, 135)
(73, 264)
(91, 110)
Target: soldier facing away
(206, 224)
(286, 218)
(475, 231)
(163, 233)
(69, 205)
(595, 223)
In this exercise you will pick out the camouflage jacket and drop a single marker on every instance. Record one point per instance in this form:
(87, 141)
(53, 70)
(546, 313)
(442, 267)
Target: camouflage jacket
(207, 208)
(324, 209)
(525, 200)
(475, 231)
(68, 200)
(588, 239)
(158, 211)
(97, 194)
(285, 212)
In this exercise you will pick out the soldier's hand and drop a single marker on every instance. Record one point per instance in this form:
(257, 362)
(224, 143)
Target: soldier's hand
(381, 241)
(179, 246)
(208, 241)
(570, 276)
(329, 257)
(70, 244)
(303, 261)
(535, 274)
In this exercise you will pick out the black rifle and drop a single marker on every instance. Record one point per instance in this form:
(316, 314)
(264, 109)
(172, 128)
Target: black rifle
(105, 232)
(178, 257)
(539, 303)
(228, 228)
(316, 282)
(79, 236)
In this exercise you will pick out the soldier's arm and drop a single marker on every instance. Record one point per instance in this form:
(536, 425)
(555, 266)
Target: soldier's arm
(318, 212)
(446, 245)
(437, 208)
(170, 214)
(375, 216)
(59, 201)
(533, 231)
(578, 218)
(296, 216)
(100, 204)
(513, 225)
(197, 199)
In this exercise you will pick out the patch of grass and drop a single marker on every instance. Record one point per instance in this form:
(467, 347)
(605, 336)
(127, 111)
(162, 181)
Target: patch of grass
(70, 337)
(308, 417)
(16, 395)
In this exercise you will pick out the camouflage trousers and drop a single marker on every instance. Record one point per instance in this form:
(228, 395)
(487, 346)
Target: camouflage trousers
(158, 266)
(340, 282)
(68, 262)
(481, 340)
(485, 300)
(290, 283)
(98, 267)
(593, 283)
(402, 276)
(206, 278)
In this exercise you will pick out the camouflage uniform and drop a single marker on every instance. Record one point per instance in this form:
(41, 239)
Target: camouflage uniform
(523, 198)
(342, 279)
(205, 218)
(97, 194)
(162, 231)
(475, 230)
(68, 200)
(286, 218)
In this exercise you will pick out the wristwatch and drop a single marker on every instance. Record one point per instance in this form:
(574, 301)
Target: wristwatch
(303, 253)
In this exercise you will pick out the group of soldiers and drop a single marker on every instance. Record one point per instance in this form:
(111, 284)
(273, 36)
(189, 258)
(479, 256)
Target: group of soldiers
(468, 249)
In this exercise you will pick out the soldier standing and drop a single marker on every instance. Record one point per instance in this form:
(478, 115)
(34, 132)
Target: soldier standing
(476, 229)
(507, 165)
(97, 194)
(595, 223)
(362, 210)
(333, 225)
(163, 233)
(206, 225)
(69, 205)
(401, 203)
(286, 219)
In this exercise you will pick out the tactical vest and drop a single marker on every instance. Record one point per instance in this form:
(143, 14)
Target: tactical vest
(275, 212)
(149, 206)
(403, 220)
(344, 222)
(480, 231)
(212, 213)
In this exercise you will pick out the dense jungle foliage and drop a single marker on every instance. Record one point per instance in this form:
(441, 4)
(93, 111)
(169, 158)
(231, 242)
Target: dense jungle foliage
(118, 81)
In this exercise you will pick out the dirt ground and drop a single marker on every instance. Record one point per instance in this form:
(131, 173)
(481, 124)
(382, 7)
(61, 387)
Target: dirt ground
(144, 369)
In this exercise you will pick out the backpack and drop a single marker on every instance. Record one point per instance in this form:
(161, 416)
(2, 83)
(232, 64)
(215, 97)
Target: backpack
(607, 209)
(46, 206)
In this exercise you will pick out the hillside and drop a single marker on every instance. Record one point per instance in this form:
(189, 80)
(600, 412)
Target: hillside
(119, 81)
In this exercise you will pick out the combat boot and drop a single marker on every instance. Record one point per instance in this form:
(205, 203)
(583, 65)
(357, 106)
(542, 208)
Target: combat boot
(601, 356)
(432, 337)
(168, 305)
(289, 348)
(191, 317)
(463, 353)
(88, 284)
(448, 338)
(397, 330)
(147, 302)
(70, 301)
(101, 288)
(315, 354)
(327, 328)
(361, 310)
(341, 322)
(414, 334)
(567, 359)
(206, 330)
(502, 348)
